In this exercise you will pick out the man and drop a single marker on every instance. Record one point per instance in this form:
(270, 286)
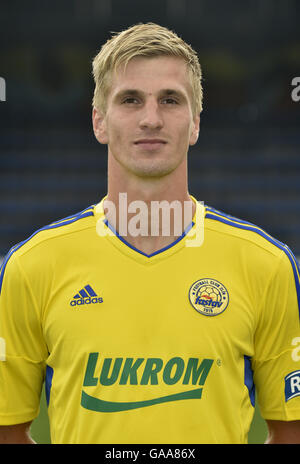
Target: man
(147, 333)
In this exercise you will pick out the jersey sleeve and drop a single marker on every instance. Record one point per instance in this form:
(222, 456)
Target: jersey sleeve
(276, 362)
(22, 348)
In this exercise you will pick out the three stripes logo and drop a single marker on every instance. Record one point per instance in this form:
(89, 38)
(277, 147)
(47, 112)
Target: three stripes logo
(85, 296)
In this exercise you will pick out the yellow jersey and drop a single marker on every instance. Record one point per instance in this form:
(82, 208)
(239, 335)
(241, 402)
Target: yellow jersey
(164, 348)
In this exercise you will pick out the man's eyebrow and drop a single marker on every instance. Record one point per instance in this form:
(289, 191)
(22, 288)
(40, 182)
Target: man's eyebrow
(129, 92)
(172, 92)
(177, 93)
(136, 92)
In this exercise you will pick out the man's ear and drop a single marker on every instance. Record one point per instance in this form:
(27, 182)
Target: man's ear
(99, 126)
(195, 130)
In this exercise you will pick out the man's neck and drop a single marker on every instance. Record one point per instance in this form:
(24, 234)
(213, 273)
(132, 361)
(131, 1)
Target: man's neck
(149, 214)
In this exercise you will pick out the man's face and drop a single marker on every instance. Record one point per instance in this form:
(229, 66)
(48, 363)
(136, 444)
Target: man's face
(149, 124)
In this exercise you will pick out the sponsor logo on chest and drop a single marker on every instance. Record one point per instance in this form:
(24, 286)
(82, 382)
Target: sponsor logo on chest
(143, 371)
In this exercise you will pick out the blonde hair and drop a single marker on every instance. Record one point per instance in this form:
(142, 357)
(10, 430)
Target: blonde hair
(143, 40)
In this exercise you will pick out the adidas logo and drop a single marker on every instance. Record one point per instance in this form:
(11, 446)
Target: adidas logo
(86, 296)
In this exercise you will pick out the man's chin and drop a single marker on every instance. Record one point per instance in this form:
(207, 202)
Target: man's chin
(151, 168)
(152, 171)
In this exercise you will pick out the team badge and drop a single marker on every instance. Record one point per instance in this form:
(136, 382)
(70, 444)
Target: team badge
(209, 297)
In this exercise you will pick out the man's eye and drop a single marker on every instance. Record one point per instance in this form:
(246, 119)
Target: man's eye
(169, 101)
(130, 100)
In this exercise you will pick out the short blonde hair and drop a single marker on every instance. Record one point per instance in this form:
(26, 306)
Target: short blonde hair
(143, 40)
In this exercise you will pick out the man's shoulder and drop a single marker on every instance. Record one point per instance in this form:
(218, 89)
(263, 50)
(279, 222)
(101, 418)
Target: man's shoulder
(244, 234)
(41, 243)
(68, 225)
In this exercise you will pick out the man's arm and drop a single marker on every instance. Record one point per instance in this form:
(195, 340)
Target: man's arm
(16, 434)
(281, 432)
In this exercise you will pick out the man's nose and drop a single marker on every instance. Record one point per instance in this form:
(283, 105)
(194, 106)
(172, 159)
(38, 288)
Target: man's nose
(151, 116)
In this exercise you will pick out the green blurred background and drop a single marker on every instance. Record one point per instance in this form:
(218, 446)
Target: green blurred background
(40, 427)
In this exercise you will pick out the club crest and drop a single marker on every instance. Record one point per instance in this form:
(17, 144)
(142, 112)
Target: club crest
(209, 297)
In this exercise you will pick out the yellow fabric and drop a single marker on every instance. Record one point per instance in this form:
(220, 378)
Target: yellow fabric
(139, 349)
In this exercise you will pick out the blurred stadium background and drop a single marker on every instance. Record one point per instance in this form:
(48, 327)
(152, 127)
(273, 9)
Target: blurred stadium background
(247, 160)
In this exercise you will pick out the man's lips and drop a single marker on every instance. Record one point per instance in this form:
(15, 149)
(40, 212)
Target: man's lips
(150, 144)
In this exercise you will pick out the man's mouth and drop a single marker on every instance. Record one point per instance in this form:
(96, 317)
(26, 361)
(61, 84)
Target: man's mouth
(150, 144)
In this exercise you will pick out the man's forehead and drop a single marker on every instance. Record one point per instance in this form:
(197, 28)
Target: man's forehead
(151, 74)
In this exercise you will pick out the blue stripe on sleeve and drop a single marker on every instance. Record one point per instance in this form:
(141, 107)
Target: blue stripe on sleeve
(48, 383)
(248, 379)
